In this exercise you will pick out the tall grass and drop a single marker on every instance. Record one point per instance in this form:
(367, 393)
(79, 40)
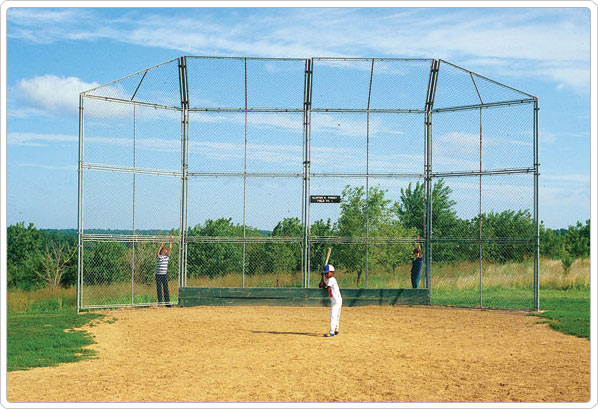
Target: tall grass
(44, 299)
(466, 275)
(447, 277)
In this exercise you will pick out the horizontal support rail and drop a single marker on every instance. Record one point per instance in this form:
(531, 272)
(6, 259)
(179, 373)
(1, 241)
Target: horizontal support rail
(248, 174)
(398, 240)
(369, 175)
(258, 239)
(127, 237)
(371, 110)
(164, 172)
(128, 169)
(483, 173)
(368, 59)
(107, 306)
(488, 240)
(382, 240)
(127, 101)
(313, 239)
(211, 57)
(241, 110)
(486, 105)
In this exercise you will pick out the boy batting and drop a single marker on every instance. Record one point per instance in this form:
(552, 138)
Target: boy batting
(329, 283)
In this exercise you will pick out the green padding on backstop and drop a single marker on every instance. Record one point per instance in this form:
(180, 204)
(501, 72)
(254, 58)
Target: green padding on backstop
(190, 296)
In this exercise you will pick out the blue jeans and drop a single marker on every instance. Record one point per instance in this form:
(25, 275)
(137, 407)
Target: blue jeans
(162, 281)
(415, 277)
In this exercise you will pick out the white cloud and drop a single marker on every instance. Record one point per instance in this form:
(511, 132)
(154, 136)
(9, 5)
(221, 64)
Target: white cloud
(48, 167)
(569, 177)
(52, 93)
(552, 44)
(35, 139)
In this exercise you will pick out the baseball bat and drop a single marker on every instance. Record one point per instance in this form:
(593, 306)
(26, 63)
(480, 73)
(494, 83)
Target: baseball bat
(328, 255)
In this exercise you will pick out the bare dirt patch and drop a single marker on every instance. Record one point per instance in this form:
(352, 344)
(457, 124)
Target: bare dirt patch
(278, 354)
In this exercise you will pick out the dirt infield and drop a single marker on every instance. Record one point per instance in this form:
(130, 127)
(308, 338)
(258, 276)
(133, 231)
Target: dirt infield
(278, 354)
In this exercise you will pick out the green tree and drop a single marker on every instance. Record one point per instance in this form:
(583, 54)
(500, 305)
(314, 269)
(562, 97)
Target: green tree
(508, 224)
(212, 259)
(577, 240)
(105, 263)
(361, 212)
(552, 243)
(23, 255)
(284, 257)
(410, 209)
(321, 229)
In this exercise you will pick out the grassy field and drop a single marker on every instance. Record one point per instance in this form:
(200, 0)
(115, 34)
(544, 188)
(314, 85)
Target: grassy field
(567, 311)
(46, 339)
(41, 323)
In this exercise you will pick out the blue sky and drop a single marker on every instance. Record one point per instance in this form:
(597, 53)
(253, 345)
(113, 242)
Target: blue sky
(55, 53)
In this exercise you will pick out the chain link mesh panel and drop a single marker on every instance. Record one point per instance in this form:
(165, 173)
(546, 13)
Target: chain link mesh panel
(275, 143)
(216, 82)
(124, 273)
(338, 142)
(109, 128)
(396, 143)
(399, 84)
(229, 151)
(108, 201)
(507, 204)
(508, 137)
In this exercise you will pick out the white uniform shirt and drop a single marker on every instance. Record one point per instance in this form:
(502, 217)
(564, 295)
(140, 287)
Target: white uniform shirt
(333, 290)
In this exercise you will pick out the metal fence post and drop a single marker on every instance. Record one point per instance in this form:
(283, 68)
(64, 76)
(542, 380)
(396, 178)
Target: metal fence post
(432, 81)
(479, 194)
(367, 178)
(307, 88)
(536, 211)
(133, 221)
(184, 93)
(244, 185)
(80, 208)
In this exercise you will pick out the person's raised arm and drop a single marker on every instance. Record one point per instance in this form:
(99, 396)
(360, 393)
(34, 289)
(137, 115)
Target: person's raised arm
(160, 249)
(169, 244)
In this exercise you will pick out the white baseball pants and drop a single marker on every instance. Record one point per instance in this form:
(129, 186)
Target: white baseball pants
(335, 314)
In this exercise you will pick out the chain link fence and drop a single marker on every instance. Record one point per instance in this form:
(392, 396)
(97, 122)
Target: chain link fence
(220, 157)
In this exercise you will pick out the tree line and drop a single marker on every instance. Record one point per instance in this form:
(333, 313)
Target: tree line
(38, 258)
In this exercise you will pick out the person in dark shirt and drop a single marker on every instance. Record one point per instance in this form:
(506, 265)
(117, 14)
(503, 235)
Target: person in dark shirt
(416, 266)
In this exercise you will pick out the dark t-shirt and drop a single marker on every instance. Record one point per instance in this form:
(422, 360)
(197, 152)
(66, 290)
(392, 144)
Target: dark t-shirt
(416, 264)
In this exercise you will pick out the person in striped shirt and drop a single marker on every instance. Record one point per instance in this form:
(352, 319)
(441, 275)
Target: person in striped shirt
(163, 256)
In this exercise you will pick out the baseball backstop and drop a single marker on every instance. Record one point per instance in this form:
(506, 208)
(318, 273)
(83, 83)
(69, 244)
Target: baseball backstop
(252, 167)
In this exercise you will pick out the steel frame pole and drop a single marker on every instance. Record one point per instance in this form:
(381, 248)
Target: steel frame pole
(80, 208)
(479, 194)
(244, 187)
(133, 222)
(536, 210)
(433, 80)
(480, 210)
(367, 178)
(184, 170)
(307, 88)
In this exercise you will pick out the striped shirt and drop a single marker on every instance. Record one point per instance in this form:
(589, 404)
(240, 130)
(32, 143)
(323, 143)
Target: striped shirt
(162, 265)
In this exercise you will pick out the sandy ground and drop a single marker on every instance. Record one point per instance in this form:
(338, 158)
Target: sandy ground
(278, 354)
